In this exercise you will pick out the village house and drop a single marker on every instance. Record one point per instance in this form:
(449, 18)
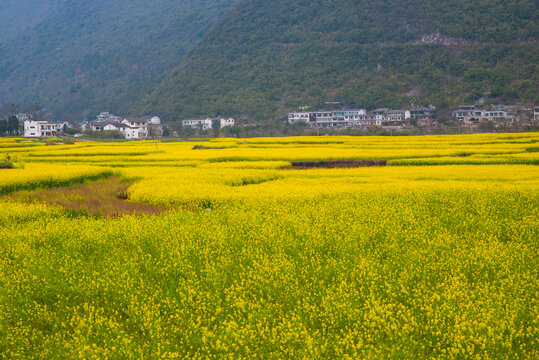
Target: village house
(380, 114)
(130, 128)
(396, 116)
(202, 124)
(536, 114)
(134, 133)
(424, 116)
(227, 122)
(122, 128)
(472, 116)
(105, 116)
(37, 129)
(349, 117)
(368, 120)
(100, 125)
(328, 118)
(463, 112)
(297, 117)
(207, 124)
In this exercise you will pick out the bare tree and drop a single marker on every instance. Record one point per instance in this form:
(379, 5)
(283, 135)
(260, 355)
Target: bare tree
(33, 111)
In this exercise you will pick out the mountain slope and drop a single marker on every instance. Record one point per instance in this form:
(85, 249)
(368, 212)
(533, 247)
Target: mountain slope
(265, 58)
(97, 55)
(17, 16)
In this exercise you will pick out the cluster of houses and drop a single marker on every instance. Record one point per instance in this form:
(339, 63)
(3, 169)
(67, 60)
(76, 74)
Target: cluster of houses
(150, 126)
(207, 124)
(353, 118)
(131, 128)
(497, 115)
(471, 115)
(467, 115)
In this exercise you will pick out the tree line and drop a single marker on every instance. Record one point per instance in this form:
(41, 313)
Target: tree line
(9, 123)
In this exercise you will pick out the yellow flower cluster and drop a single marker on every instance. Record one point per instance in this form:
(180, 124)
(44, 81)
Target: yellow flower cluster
(48, 175)
(458, 149)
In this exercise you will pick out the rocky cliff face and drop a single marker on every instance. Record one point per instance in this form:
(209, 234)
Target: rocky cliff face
(444, 40)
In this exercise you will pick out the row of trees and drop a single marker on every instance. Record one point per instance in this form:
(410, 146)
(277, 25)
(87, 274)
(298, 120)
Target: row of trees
(10, 126)
(9, 123)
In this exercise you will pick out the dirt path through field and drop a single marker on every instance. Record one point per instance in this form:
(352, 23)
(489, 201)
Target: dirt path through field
(335, 164)
(104, 198)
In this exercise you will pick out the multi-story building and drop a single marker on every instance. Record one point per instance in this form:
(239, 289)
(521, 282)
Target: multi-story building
(463, 111)
(296, 117)
(349, 117)
(424, 116)
(536, 114)
(368, 120)
(471, 115)
(353, 114)
(42, 128)
(328, 118)
(396, 116)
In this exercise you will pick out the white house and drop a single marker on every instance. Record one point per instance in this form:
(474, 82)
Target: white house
(135, 133)
(296, 117)
(42, 128)
(127, 131)
(207, 124)
(130, 128)
(147, 125)
(110, 127)
(99, 125)
(227, 122)
(203, 124)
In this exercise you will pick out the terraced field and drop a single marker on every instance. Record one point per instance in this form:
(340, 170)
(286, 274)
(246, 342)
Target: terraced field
(433, 255)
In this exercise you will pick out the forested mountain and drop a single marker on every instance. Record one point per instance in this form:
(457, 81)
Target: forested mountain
(18, 16)
(75, 57)
(263, 58)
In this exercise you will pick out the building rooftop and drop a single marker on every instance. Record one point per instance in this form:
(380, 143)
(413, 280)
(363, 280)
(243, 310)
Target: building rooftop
(140, 119)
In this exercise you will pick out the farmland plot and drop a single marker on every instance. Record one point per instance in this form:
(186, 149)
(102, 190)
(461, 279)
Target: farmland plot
(432, 256)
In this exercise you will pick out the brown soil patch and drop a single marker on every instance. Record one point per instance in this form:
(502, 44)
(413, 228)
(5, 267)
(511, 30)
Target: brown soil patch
(332, 164)
(104, 198)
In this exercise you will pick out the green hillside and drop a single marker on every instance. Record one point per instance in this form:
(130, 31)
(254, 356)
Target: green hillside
(18, 16)
(79, 57)
(265, 58)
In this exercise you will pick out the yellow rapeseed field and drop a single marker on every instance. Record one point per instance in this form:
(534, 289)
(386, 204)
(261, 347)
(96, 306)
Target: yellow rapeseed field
(433, 256)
